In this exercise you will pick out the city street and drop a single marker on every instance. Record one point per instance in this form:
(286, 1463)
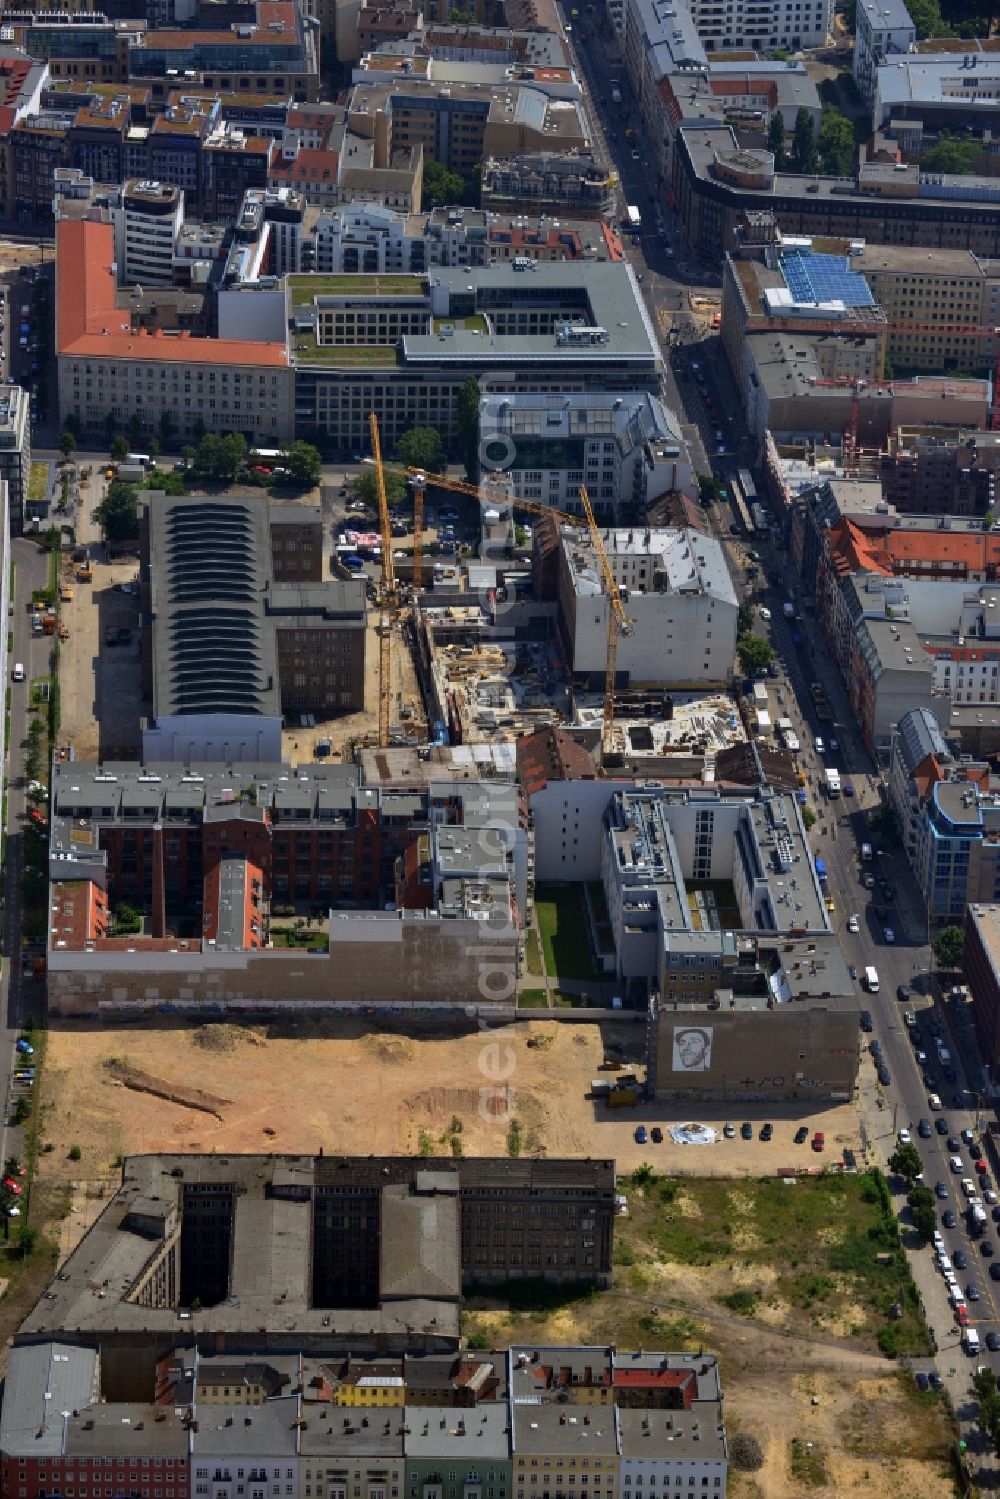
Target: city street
(19, 997)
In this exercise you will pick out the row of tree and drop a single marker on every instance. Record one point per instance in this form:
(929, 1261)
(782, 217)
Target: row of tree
(831, 150)
(218, 460)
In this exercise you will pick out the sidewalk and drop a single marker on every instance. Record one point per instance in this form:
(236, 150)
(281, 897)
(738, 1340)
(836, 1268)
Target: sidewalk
(950, 1360)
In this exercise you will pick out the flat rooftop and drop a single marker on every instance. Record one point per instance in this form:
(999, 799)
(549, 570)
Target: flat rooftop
(682, 561)
(271, 1222)
(602, 317)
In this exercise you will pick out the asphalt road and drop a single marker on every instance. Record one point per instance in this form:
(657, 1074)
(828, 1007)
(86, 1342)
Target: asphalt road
(18, 998)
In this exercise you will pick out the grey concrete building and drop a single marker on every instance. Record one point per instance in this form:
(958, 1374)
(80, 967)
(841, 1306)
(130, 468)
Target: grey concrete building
(226, 648)
(15, 456)
(284, 1253)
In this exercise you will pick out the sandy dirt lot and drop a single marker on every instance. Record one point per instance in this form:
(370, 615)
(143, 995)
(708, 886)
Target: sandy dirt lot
(352, 1089)
(344, 1087)
(100, 685)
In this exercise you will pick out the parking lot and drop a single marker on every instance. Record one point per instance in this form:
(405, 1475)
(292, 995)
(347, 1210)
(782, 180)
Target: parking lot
(100, 674)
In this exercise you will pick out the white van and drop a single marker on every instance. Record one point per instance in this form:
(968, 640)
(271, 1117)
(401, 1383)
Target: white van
(871, 980)
(970, 1340)
(18, 672)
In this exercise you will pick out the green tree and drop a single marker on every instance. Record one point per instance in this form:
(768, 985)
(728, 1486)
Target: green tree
(949, 947)
(776, 140)
(27, 1238)
(708, 489)
(467, 420)
(303, 462)
(988, 520)
(421, 447)
(836, 143)
(808, 818)
(905, 1162)
(926, 18)
(365, 488)
(804, 143)
(67, 443)
(441, 186)
(754, 654)
(925, 1220)
(221, 458)
(188, 455)
(119, 448)
(951, 154)
(744, 620)
(118, 513)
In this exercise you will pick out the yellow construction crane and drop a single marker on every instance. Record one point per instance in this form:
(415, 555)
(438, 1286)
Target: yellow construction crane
(388, 602)
(618, 621)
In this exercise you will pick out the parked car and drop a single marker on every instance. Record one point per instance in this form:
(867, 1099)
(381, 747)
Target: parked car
(656, 1135)
(640, 1134)
(729, 1130)
(801, 1134)
(746, 1130)
(819, 1141)
(766, 1131)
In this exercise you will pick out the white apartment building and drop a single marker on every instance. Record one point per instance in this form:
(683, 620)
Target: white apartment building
(677, 592)
(660, 38)
(627, 449)
(247, 1453)
(882, 28)
(724, 25)
(147, 222)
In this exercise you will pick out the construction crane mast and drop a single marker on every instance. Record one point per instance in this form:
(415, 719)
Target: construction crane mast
(618, 621)
(388, 602)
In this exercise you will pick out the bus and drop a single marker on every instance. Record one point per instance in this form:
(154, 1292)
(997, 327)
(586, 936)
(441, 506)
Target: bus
(739, 505)
(748, 507)
(633, 220)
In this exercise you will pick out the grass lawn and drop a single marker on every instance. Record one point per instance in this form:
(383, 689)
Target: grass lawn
(532, 956)
(304, 288)
(286, 936)
(532, 999)
(38, 482)
(308, 350)
(815, 1245)
(563, 928)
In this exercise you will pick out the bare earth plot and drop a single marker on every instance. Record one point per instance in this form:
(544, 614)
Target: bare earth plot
(357, 1090)
(338, 1085)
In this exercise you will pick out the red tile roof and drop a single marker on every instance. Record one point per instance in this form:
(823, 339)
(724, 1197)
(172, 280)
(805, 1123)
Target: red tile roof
(312, 164)
(613, 241)
(90, 325)
(891, 552)
(552, 755)
(644, 1379)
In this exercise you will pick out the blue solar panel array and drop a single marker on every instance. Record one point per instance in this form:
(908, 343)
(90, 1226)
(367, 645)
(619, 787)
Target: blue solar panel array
(825, 278)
